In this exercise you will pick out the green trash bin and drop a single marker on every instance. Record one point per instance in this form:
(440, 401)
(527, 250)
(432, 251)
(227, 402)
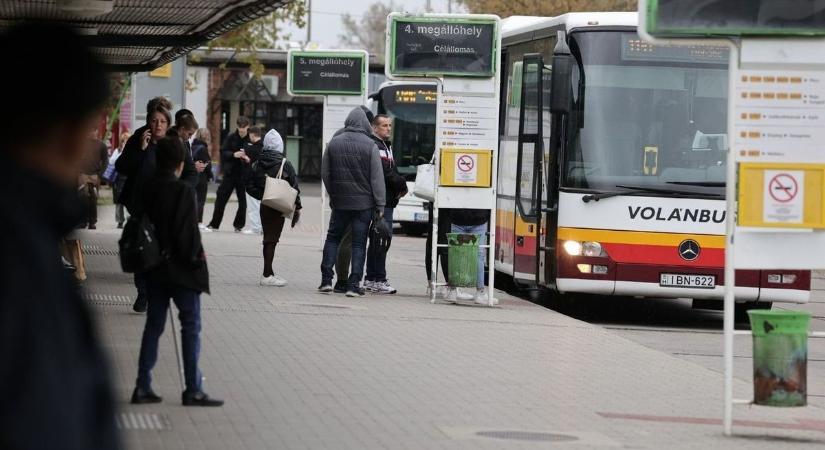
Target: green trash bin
(462, 255)
(780, 357)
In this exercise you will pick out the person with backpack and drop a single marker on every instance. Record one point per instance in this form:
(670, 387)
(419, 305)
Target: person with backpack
(181, 276)
(137, 163)
(272, 163)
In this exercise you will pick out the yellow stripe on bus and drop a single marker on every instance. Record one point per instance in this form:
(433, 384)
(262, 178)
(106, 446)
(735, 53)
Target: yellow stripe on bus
(638, 237)
(504, 221)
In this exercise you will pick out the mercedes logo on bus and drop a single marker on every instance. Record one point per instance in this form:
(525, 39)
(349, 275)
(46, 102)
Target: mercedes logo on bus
(689, 250)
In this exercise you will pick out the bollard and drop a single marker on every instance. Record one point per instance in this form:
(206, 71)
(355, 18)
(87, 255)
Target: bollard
(462, 256)
(780, 357)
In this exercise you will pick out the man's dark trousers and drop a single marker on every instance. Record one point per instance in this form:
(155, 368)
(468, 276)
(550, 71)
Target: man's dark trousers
(189, 306)
(376, 259)
(229, 184)
(338, 223)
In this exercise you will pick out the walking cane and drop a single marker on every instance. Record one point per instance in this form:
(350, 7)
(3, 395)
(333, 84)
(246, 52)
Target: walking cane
(177, 350)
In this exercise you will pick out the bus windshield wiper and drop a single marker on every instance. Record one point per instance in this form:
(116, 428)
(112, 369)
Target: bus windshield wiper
(631, 190)
(699, 183)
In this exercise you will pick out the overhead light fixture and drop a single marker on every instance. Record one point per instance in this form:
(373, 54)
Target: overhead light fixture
(85, 8)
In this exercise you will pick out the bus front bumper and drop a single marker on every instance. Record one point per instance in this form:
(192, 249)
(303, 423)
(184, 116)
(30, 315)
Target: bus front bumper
(578, 275)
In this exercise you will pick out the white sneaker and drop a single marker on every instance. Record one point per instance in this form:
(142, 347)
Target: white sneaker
(450, 294)
(248, 231)
(383, 287)
(481, 298)
(204, 228)
(273, 280)
(463, 296)
(368, 285)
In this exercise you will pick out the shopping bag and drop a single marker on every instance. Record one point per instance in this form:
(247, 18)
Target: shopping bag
(279, 195)
(425, 182)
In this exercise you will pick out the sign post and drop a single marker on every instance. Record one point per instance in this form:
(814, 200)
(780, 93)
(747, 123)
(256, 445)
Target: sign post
(340, 76)
(461, 52)
(775, 186)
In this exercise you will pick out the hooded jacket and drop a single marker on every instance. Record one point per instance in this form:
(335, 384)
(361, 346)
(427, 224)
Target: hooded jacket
(268, 164)
(351, 167)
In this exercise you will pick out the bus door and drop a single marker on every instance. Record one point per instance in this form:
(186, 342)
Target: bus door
(532, 163)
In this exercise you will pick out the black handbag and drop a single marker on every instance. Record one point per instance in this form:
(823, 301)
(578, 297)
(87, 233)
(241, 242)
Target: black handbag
(139, 247)
(380, 235)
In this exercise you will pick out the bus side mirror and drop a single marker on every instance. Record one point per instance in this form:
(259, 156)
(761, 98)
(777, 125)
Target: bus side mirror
(561, 84)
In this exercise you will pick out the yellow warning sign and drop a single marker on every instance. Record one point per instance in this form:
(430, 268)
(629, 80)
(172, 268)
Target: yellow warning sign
(781, 195)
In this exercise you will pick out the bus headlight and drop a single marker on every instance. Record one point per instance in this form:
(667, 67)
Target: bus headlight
(591, 248)
(573, 248)
(586, 248)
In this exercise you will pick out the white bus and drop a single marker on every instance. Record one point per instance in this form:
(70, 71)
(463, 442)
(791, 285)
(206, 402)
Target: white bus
(412, 107)
(612, 165)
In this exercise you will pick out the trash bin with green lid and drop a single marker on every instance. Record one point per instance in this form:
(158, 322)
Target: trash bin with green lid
(462, 255)
(780, 357)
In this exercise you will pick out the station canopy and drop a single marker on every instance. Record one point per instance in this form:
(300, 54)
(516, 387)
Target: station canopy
(141, 35)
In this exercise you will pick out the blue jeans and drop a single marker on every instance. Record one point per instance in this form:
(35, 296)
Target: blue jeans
(188, 302)
(338, 223)
(481, 230)
(377, 261)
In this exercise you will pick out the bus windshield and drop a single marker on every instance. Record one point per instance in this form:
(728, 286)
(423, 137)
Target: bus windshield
(412, 109)
(653, 116)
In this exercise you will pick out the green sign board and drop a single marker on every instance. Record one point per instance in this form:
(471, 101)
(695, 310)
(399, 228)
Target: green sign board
(435, 46)
(326, 73)
(672, 18)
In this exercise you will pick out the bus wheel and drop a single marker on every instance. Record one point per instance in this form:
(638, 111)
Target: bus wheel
(414, 229)
(741, 310)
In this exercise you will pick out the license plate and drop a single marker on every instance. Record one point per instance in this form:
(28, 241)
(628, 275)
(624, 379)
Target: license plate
(421, 217)
(687, 280)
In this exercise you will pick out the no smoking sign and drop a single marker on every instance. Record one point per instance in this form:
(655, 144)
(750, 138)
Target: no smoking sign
(783, 197)
(466, 168)
(783, 188)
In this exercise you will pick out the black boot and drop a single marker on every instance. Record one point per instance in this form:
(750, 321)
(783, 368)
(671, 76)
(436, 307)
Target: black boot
(141, 397)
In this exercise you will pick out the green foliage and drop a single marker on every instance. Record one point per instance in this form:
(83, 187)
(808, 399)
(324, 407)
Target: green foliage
(507, 8)
(261, 33)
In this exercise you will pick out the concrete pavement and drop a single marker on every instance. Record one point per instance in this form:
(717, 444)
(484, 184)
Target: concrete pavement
(304, 370)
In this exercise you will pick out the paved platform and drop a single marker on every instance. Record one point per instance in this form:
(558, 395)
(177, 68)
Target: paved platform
(304, 370)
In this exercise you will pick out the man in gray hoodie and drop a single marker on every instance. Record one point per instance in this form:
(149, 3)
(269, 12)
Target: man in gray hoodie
(354, 178)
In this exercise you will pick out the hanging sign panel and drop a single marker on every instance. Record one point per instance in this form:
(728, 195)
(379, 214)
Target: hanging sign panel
(735, 18)
(442, 47)
(326, 73)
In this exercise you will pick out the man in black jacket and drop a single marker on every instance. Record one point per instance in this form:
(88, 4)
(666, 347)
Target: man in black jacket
(181, 277)
(396, 187)
(232, 168)
(54, 381)
(354, 178)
